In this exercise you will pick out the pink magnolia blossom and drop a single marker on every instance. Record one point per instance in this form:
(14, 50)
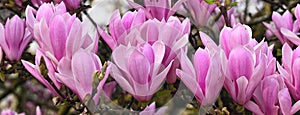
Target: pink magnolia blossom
(292, 34)
(200, 11)
(14, 37)
(58, 33)
(77, 73)
(46, 11)
(290, 69)
(283, 29)
(242, 73)
(203, 77)
(238, 35)
(138, 69)
(120, 27)
(241, 35)
(159, 9)
(38, 73)
(173, 33)
(244, 62)
(266, 96)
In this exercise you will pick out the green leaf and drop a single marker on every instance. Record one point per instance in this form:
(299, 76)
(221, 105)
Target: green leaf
(233, 4)
(210, 1)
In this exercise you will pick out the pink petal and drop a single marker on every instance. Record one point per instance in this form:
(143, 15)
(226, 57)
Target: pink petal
(224, 40)
(158, 79)
(242, 84)
(122, 81)
(290, 36)
(241, 63)
(191, 83)
(58, 34)
(285, 101)
(201, 64)
(239, 36)
(83, 69)
(295, 107)
(250, 105)
(214, 81)
(139, 67)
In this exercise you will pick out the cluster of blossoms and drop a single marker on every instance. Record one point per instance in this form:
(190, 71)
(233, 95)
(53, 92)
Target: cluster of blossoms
(150, 46)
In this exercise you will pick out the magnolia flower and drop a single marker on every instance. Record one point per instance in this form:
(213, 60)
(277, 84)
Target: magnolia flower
(77, 73)
(120, 27)
(241, 35)
(200, 11)
(285, 103)
(159, 9)
(238, 35)
(292, 34)
(173, 33)
(138, 70)
(242, 73)
(46, 11)
(38, 73)
(14, 37)
(203, 77)
(283, 29)
(266, 96)
(290, 69)
(59, 34)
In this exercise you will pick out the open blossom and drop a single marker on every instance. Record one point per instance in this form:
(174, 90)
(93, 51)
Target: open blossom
(266, 96)
(138, 69)
(282, 29)
(290, 69)
(38, 73)
(173, 33)
(119, 27)
(58, 33)
(244, 62)
(203, 76)
(200, 11)
(242, 75)
(291, 35)
(241, 35)
(159, 9)
(77, 73)
(14, 37)
(46, 11)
